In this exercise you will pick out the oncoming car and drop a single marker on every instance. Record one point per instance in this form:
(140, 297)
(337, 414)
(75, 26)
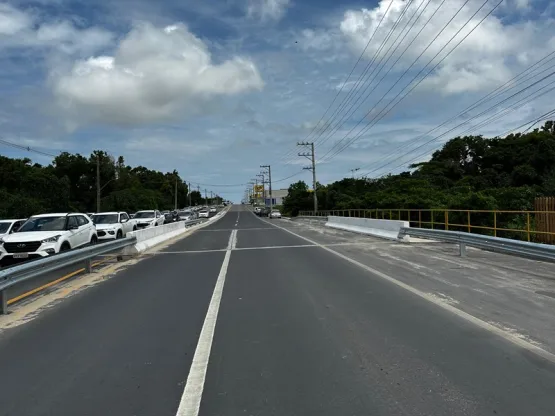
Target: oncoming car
(275, 214)
(47, 234)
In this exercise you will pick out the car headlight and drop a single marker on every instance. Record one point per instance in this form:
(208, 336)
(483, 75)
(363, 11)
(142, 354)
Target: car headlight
(51, 239)
(1, 241)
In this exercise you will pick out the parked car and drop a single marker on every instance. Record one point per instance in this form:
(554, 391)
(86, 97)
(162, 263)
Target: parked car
(113, 225)
(275, 214)
(203, 213)
(148, 218)
(264, 212)
(257, 210)
(187, 215)
(10, 226)
(47, 234)
(213, 210)
(171, 217)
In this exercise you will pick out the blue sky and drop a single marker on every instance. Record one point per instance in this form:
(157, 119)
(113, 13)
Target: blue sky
(216, 88)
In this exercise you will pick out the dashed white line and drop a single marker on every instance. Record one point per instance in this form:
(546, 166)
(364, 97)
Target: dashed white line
(192, 394)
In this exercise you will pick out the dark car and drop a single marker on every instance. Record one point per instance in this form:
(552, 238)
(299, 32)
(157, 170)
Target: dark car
(171, 217)
(264, 212)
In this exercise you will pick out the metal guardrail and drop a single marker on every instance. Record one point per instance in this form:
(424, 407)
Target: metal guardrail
(519, 248)
(33, 269)
(30, 270)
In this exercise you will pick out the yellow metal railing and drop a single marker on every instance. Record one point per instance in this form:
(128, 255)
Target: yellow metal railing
(537, 226)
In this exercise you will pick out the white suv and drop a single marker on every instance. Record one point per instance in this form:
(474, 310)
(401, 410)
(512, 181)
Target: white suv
(113, 225)
(150, 218)
(46, 234)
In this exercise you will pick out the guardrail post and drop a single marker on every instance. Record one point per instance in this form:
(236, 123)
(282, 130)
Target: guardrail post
(528, 225)
(419, 218)
(88, 266)
(462, 249)
(3, 302)
(495, 223)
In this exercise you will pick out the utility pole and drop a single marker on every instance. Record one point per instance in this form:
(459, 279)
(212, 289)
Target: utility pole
(269, 184)
(189, 192)
(310, 156)
(175, 207)
(205, 197)
(353, 171)
(211, 198)
(97, 183)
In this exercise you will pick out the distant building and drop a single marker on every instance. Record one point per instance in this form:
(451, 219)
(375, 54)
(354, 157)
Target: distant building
(277, 196)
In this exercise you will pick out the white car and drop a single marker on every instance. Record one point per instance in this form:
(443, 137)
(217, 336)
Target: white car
(203, 213)
(213, 209)
(113, 225)
(187, 215)
(10, 226)
(47, 234)
(149, 218)
(275, 214)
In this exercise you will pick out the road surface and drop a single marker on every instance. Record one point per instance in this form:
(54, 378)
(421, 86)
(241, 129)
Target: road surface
(299, 331)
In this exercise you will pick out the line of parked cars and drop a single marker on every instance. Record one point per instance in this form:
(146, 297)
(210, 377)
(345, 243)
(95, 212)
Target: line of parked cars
(47, 234)
(267, 212)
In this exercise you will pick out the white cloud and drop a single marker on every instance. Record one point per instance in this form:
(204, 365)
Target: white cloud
(267, 9)
(21, 28)
(155, 74)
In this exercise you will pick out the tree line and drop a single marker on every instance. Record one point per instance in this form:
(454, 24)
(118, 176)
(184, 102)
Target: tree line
(469, 172)
(68, 184)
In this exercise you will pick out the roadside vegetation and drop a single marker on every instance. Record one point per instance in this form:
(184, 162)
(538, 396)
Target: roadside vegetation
(69, 184)
(470, 172)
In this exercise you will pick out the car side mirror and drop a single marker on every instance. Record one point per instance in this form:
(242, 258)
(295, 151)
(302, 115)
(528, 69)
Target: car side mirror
(124, 220)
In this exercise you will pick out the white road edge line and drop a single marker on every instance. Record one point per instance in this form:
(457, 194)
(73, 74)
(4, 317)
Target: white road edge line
(192, 393)
(464, 315)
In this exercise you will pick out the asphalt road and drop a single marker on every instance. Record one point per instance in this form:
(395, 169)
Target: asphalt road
(49, 282)
(299, 331)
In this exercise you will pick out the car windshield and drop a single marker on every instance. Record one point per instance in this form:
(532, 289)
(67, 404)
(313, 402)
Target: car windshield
(44, 224)
(4, 227)
(145, 214)
(185, 213)
(105, 219)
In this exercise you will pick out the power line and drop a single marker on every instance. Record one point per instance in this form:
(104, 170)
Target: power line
(488, 97)
(470, 119)
(348, 77)
(381, 114)
(26, 148)
(347, 115)
(242, 184)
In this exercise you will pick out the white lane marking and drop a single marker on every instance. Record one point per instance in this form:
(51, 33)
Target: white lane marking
(430, 298)
(238, 229)
(192, 394)
(257, 248)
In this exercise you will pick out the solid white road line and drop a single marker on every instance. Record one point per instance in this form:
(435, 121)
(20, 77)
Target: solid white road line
(192, 394)
(464, 315)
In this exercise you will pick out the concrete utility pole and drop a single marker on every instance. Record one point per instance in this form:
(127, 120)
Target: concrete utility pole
(97, 183)
(310, 156)
(263, 188)
(353, 171)
(205, 197)
(175, 207)
(269, 184)
(189, 192)
(255, 191)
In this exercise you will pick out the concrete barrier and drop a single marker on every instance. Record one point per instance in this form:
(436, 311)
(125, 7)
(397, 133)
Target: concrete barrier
(379, 228)
(150, 237)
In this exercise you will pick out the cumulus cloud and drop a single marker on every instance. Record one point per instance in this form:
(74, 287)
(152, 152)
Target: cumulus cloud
(155, 74)
(484, 59)
(267, 9)
(22, 28)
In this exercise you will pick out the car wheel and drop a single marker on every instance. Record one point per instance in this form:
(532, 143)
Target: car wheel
(119, 235)
(134, 228)
(65, 247)
(94, 240)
